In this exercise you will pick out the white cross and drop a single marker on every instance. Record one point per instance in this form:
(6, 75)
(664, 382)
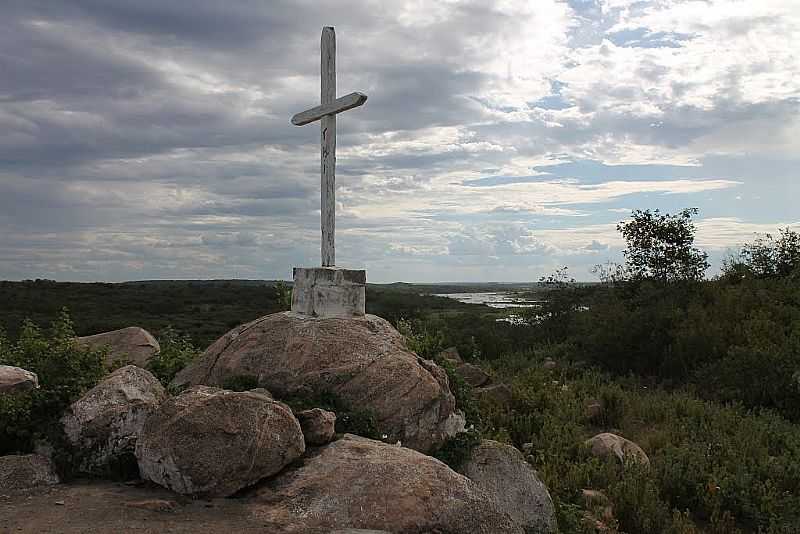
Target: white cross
(326, 114)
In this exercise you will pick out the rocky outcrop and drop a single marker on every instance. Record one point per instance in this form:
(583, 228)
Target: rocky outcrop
(212, 442)
(473, 375)
(359, 483)
(16, 380)
(451, 355)
(22, 472)
(104, 424)
(132, 345)
(502, 472)
(363, 361)
(497, 393)
(606, 445)
(319, 426)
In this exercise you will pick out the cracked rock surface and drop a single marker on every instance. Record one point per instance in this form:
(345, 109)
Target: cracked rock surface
(363, 361)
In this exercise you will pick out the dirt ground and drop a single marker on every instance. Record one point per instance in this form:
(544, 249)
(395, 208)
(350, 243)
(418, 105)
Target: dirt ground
(97, 506)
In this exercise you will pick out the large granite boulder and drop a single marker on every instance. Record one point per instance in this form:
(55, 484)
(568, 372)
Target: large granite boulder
(363, 361)
(511, 483)
(212, 442)
(611, 445)
(104, 424)
(360, 483)
(26, 471)
(16, 380)
(132, 345)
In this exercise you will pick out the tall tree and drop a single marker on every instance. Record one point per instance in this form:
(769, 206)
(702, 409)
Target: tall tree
(660, 246)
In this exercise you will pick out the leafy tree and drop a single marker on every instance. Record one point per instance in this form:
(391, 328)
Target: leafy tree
(659, 246)
(766, 257)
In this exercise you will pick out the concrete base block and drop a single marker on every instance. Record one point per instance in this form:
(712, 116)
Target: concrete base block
(329, 292)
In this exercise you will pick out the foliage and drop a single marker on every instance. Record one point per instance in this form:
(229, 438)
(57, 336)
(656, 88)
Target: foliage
(176, 352)
(349, 419)
(283, 295)
(729, 468)
(65, 371)
(659, 246)
(240, 383)
(429, 344)
(766, 257)
(456, 450)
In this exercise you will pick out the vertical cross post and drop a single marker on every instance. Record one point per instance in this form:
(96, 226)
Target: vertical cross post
(328, 142)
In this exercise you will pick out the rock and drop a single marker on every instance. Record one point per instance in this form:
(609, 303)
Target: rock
(360, 483)
(319, 426)
(211, 442)
(133, 345)
(153, 505)
(497, 393)
(549, 363)
(473, 375)
(359, 531)
(512, 484)
(593, 498)
(363, 361)
(451, 355)
(104, 424)
(22, 472)
(607, 444)
(16, 380)
(262, 391)
(594, 409)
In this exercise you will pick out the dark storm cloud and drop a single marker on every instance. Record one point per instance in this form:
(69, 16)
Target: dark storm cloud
(151, 138)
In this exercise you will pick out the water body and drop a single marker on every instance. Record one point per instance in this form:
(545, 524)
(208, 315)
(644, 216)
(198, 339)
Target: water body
(499, 299)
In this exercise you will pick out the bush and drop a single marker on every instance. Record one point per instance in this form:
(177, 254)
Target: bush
(177, 351)
(65, 372)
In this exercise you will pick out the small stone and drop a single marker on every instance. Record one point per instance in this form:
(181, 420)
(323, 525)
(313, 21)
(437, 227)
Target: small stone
(153, 505)
(549, 363)
(497, 393)
(607, 444)
(473, 375)
(594, 409)
(319, 426)
(451, 355)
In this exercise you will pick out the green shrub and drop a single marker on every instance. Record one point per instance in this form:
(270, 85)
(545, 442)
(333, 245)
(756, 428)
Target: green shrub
(457, 450)
(240, 383)
(349, 420)
(177, 351)
(65, 372)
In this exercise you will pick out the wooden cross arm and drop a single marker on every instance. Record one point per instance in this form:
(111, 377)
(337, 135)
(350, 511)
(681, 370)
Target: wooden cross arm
(353, 100)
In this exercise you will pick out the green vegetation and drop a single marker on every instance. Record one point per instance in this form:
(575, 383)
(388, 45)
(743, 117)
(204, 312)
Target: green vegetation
(703, 374)
(65, 371)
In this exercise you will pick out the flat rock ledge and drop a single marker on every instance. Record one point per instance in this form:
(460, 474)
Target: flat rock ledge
(363, 361)
(359, 483)
(16, 380)
(210, 442)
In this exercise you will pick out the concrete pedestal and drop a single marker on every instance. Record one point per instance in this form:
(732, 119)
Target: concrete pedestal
(329, 291)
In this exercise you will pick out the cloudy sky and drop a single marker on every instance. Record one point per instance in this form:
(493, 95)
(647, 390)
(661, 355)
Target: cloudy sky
(148, 139)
